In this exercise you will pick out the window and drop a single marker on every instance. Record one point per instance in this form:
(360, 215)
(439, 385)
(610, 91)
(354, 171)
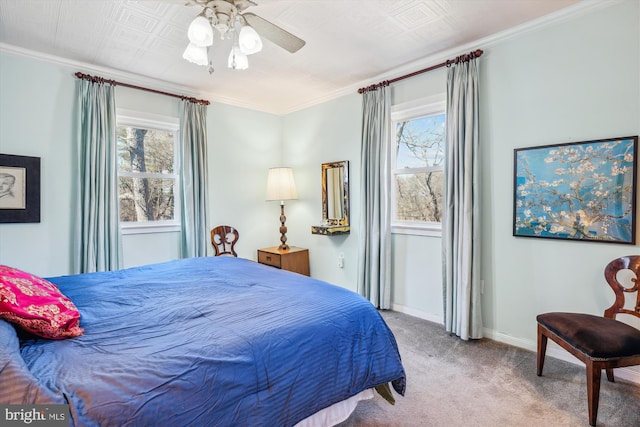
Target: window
(418, 167)
(147, 173)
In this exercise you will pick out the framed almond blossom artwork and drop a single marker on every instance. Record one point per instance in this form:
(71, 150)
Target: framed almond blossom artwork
(581, 191)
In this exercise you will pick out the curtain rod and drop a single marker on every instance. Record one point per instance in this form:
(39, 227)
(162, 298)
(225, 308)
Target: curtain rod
(448, 63)
(116, 83)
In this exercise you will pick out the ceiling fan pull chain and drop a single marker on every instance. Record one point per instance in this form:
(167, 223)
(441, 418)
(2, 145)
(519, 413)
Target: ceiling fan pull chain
(210, 69)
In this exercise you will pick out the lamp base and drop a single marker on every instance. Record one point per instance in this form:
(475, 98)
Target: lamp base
(283, 229)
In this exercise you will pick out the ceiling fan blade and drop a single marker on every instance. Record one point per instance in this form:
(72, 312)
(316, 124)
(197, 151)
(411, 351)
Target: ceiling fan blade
(241, 5)
(275, 34)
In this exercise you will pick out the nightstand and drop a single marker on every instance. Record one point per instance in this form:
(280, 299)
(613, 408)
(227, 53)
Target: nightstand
(295, 259)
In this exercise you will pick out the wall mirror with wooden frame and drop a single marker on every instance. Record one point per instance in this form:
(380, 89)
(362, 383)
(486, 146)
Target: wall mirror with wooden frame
(335, 199)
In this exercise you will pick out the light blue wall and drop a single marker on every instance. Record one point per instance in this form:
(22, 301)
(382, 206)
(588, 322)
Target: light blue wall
(329, 132)
(569, 81)
(37, 105)
(36, 119)
(417, 260)
(332, 132)
(243, 145)
(573, 80)
(141, 249)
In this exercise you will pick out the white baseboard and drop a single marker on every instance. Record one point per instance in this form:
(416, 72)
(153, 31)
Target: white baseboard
(418, 313)
(631, 374)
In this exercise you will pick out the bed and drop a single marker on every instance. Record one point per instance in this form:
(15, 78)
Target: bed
(217, 341)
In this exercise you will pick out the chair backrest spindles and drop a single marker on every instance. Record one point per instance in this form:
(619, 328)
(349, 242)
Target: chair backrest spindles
(223, 239)
(631, 263)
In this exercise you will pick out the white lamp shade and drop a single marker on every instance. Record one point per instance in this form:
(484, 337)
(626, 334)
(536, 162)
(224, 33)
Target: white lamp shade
(196, 54)
(200, 32)
(237, 59)
(280, 184)
(249, 40)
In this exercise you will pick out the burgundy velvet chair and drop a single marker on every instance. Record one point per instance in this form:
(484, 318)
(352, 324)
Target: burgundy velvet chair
(223, 239)
(599, 342)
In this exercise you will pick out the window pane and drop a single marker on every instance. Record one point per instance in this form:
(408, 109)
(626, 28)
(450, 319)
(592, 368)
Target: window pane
(145, 150)
(146, 199)
(419, 197)
(420, 142)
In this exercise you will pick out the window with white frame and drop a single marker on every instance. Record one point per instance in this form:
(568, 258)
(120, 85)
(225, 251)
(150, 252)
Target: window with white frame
(149, 185)
(418, 167)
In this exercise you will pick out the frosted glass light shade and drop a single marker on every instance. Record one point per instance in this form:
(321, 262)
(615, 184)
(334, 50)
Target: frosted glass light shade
(196, 54)
(200, 32)
(249, 40)
(237, 59)
(280, 184)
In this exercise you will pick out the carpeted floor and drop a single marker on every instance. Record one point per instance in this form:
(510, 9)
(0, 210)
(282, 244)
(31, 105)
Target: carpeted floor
(481, 383)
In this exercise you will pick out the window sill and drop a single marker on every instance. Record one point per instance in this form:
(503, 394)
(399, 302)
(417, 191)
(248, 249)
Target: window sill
(132, 228)
(416, 230)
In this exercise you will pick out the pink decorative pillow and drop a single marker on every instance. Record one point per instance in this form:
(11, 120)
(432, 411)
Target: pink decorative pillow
(37, 305)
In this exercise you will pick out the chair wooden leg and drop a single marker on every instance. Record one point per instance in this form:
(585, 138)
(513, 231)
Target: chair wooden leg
(610, 375)
(593, 390)
(542, 350)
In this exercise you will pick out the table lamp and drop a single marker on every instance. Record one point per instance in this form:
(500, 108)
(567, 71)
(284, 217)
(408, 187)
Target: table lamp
(281, 186)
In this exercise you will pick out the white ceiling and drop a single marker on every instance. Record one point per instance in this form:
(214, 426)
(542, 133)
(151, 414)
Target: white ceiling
(350, 43)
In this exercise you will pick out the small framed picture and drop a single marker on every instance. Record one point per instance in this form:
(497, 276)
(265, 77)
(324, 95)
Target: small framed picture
(577, 191)
(19, 189)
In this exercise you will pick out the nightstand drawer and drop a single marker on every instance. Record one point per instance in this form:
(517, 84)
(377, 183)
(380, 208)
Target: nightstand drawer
(293, 259)
(269, 258)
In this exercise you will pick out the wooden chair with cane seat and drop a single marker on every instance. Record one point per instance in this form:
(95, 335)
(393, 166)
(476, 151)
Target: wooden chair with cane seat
(224, 239)
(599, 342)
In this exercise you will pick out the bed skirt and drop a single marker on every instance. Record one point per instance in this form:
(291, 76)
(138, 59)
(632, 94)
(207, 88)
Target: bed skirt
(336, 413)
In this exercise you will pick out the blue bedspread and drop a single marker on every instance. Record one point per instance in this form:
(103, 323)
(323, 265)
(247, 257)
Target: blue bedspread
(216, 341)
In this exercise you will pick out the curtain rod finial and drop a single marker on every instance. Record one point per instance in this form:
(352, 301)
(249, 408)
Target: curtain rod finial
(448, 63)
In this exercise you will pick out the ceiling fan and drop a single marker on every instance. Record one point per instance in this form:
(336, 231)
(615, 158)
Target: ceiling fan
(228, 19)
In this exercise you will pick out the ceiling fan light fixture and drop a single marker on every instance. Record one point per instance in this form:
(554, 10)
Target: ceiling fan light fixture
(196, 54)
(223, 27)
(237, 59)
(249, 40)
(229, 19)
(200, 32)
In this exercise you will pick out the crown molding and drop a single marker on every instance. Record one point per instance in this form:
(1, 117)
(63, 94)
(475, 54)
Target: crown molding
(108, 73)
(131, 78)
(581, 8)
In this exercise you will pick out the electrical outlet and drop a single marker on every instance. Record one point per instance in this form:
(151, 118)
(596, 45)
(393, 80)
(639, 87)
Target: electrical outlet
(341, 260)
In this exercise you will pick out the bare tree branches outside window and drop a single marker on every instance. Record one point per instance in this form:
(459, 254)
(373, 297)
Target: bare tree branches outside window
(146, 174)
(418, 174)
